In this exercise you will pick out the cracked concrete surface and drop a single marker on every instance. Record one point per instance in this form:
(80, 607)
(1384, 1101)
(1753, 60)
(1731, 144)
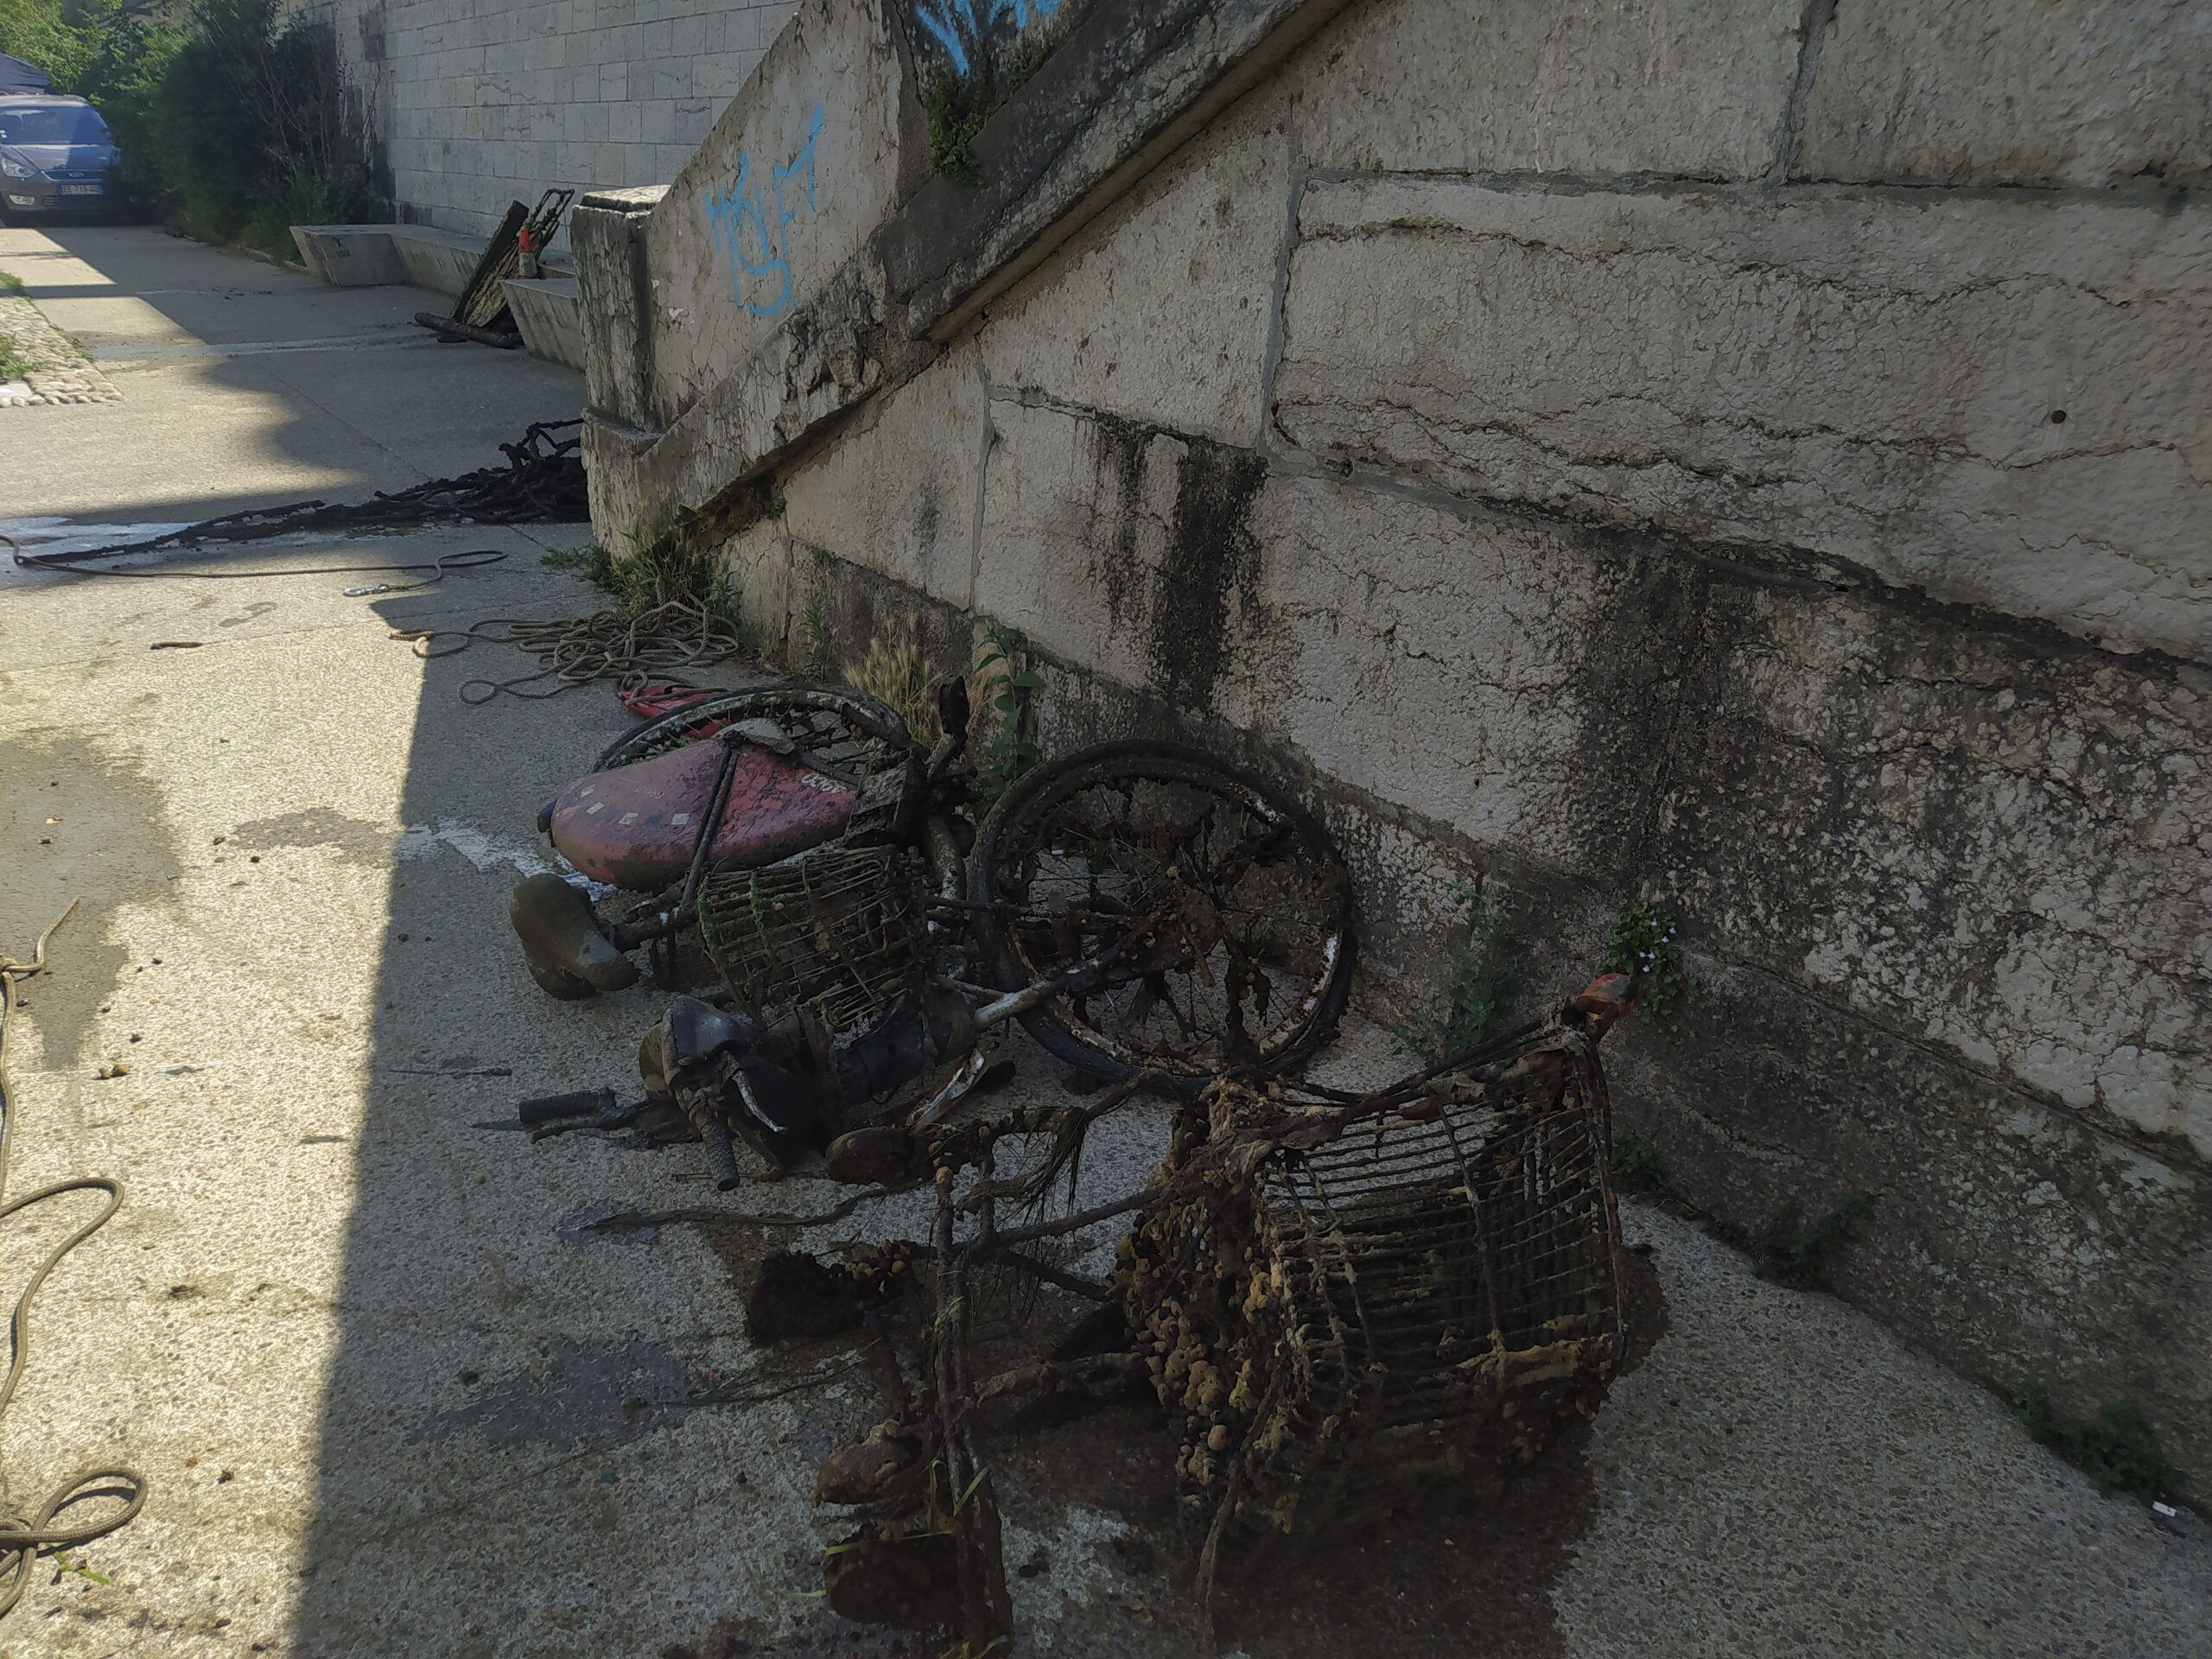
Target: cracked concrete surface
(1994, 400)
(404, 1382)
(760, 241)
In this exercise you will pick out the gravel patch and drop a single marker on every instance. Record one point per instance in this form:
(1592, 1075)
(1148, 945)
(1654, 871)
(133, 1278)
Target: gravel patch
(58, 372)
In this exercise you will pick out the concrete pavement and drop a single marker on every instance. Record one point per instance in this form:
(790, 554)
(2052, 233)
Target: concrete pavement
(406, 1383)
(249, 383)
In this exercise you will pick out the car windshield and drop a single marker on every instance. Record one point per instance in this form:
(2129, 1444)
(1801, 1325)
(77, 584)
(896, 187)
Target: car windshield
(51, 124)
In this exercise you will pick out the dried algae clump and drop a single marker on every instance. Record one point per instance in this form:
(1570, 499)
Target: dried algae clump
(1334, 1309)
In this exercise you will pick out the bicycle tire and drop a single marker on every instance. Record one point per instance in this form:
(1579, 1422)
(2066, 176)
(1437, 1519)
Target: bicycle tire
(1050, 1024)
(862, 713)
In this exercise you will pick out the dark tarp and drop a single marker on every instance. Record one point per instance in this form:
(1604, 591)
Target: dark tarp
(16, 76)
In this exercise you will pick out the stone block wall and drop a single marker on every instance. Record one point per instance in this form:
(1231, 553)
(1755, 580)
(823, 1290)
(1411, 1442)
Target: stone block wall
(1748, 456)
(483, 102)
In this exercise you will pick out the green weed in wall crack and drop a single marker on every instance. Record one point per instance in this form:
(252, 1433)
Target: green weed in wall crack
(1005, 688)
(1639, 1168)
(594, 563)
(819, 660)
(957, 107)
(1795, 1252)
(676, 564)
(1481, 979)
(1641, 943)
(954, 121)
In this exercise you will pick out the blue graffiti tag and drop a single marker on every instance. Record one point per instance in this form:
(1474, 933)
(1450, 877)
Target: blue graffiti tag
(761, 204)
(959, 24)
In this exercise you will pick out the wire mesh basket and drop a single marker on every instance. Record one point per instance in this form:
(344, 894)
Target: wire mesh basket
(840, 930)
(1431, 1290)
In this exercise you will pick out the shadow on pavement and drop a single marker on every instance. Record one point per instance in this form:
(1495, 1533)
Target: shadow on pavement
(511, 1456)
(245, 383)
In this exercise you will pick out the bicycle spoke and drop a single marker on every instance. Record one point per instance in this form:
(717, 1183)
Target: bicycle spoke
(1243, 923)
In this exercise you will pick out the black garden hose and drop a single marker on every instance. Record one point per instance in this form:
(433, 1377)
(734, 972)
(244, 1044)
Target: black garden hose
(21, 1539)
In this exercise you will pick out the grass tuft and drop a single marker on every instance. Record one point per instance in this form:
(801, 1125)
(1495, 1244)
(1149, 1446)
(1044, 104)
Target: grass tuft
(2118, 1451)
(896, 673)
(819, 661)
(13, 365)
(1788, 1249)
(671, 566)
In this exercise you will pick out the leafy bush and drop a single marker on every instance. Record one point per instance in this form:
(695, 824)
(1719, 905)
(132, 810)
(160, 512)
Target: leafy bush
(123, 80)
(253, 129)
(210, 131)
(236, 126)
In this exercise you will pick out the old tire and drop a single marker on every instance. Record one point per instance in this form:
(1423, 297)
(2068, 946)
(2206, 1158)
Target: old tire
(1011, 925)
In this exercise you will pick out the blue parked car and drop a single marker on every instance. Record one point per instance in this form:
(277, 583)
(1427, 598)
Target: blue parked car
(56, 157)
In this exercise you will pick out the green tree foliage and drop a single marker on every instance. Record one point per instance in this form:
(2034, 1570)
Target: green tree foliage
(33, 31)
(236, 126)
(108, 51)
(254, 128)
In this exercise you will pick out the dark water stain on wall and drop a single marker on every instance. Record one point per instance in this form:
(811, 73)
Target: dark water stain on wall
(1196, 601)
(1207, 589)
(1124, 447)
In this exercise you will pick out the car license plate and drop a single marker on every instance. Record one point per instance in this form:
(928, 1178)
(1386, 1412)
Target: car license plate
(80, 189)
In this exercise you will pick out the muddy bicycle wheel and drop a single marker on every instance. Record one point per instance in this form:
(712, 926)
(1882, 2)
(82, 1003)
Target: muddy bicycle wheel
(1232, 910)
(847, 731)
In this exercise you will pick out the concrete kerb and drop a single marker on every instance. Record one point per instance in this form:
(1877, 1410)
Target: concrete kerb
(547, 311)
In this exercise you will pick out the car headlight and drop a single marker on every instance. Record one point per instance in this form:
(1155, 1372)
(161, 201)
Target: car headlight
(15, 169)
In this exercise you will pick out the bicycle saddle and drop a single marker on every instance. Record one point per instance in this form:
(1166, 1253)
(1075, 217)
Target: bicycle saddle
(635, 826)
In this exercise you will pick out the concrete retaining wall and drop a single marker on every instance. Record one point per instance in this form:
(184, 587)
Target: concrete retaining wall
(1747, 456)
(482, 102)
